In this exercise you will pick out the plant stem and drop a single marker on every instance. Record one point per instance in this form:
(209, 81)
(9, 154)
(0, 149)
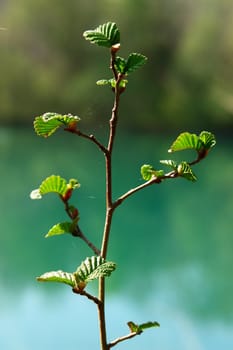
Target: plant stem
(79, 233)
(120, 339)
(88, 295)
(109, 208)
(91, 137)
(136, 189)
(101, 315)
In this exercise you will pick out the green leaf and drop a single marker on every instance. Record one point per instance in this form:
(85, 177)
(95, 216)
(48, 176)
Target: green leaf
(93, 268)
(60, 229)
(55, 183)
(120, 64)
(147, 172)
(148, 325)
(135, 328)
(208, 139)
(103, 82)
(112, 83)
(134, 61)
(184, 170)
(105, 35)
(170, 163)
(48, 123)
(58, 276)
(186, 141)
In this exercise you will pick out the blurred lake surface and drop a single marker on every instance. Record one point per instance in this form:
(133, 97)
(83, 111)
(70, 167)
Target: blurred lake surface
(173, 245)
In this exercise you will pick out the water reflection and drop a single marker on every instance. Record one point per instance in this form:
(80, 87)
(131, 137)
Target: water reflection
(174, 268)
(38, 321)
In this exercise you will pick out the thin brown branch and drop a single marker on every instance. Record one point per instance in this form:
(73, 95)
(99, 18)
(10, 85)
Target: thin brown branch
(112, 63)
(199, 158)
(78, 233)
(120, 339)
(109, 211)
(150, 182)
(88, 295)
(114, 117)
(91, 137)
(101, 315)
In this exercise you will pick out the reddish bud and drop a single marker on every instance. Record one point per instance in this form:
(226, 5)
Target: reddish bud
(73, 212)
(115, 48)
(72, 125)
(67, 195)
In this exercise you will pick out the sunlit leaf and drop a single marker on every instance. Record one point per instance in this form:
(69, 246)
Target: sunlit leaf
(208, 139)
(147, 172)
(103, 82)
(105, 35)
(186, 141)
(59, 229)
(170, 163)
(112, 83)
(135, 328)
(58, 276)
(53, 183)
(93, 268)
(57, 184)
(185, 170)
(48, 123)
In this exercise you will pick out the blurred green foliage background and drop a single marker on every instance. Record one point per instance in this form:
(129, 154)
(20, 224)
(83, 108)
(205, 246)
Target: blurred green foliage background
(46, 65)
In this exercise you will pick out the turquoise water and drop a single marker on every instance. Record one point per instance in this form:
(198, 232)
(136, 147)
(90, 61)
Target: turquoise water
(172, 244)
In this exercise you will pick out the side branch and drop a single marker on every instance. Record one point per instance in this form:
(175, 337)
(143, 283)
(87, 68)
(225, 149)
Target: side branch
(91, 137)
(154, 180)
(150, 182)
(78, 233)
(120, 339)
(89, 296)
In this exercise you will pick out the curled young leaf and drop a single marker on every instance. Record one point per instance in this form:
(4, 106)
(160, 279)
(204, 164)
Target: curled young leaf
(139, 328)
(103, 82)
(170, 163)
(93, 268)
(147, 172)
(120, 64)
(208, 139)
(185, 170)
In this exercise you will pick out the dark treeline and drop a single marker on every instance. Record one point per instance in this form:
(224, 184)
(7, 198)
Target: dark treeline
(46, 65)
